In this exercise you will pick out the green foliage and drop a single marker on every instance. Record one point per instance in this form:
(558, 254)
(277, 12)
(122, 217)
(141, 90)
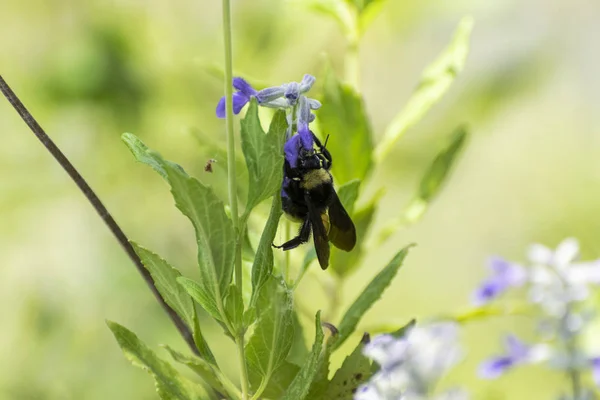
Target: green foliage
(343, 118)
(270, 343)
(337, 10)
(434, 83)
(264, 156)
(320, 382)
(234, 308)
(142, 153)
(214, 230)
(165, 278)
(300, 386)
(369, 296)
(209, 373)
(197, 292)
(355, 370)
(436, 175)
(262, 267)
(348, 193)
(170, 385)
(298, 350)
(279, 364)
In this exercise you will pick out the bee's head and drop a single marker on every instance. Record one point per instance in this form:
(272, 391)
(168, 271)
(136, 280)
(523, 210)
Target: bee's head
(308, 159)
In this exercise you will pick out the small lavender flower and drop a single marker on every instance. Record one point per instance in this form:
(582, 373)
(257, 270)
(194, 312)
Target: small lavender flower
(559, 286)
(410, 366)
(505, 275)
(517, 353)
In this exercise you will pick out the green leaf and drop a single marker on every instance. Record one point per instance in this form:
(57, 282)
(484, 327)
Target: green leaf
(348, 193)
(401, 332)
(215, 235)
(279, 382)
(368, 13)
(344, 263)
(197, 292)
(437, 174)
(309, 257)
(300, 386)
(170, 385)
(362, 5)
(355, 370)
(350, 143)
(298, 351)
(165, 279)
(262, 268)
(334, 9)
(272, 338)
(209, 373)
(214, 230)
(264, 155)
(142, 153)
(434, 83)
(369, 296)
(321, 380)
(234, 308)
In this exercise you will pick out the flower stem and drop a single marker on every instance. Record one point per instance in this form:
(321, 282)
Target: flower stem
(239, 341)
(232, 184)
(231, 174)
(288, 236)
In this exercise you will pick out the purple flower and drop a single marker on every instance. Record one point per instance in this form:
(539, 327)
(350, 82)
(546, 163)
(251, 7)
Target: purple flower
(282, 97)
(303, 140)
(517, 353)
(505, 275)
(240, 98)
(595, 363)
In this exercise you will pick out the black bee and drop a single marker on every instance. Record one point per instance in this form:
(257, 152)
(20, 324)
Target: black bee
(308, 196)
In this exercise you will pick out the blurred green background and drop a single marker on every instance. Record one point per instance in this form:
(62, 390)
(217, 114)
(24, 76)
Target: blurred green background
(91, 70)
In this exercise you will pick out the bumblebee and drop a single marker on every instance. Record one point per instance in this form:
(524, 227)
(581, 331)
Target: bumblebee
(308, 197)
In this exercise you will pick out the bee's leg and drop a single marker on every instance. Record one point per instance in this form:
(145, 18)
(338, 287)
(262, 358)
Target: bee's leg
(325, 155)
(303, 236)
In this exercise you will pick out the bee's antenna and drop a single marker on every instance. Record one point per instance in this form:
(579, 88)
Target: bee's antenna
(326, 139)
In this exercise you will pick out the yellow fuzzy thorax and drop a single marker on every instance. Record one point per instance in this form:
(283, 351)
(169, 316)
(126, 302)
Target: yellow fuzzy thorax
(315, 178)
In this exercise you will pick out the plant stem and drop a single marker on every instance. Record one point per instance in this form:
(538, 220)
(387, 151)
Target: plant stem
(231, 180)
(239, 341)
(288, 236)
(91, 196)
(231, 173)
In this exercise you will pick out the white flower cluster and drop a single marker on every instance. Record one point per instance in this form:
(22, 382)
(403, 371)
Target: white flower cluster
(410, 366)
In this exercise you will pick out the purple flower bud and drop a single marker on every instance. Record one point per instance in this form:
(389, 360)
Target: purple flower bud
(306, 84)
(517, 353)
(595, 363)
(313, 104)
(240, 98)
(505, 275)
(494, 367)
(244, 87)
(270, 94)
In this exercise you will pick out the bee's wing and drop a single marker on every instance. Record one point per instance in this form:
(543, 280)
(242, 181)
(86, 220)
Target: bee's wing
(319, 232)
(342, 232)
